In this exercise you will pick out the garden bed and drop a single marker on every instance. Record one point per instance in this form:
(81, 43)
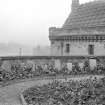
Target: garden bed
(83, 92)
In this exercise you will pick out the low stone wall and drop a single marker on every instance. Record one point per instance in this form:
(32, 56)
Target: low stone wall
(58, 61)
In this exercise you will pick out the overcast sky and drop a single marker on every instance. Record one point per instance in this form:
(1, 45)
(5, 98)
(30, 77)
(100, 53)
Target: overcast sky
(27, 21)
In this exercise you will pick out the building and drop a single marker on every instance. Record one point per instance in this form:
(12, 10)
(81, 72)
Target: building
(83, 33)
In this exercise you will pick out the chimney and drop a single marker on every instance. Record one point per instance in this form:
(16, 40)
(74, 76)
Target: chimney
(75, 5)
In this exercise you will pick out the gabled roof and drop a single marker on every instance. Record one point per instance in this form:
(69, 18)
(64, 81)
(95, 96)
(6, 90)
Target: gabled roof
(91, 14)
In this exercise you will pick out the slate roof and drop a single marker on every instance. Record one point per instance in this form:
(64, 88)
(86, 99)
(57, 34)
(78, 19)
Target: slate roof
(91, 14)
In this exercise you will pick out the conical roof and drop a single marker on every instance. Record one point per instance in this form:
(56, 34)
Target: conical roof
(91, 14)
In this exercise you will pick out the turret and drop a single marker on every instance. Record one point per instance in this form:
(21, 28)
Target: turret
(75, 5)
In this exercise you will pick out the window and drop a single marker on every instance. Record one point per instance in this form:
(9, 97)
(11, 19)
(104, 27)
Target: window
(91, 49)
(67, 48)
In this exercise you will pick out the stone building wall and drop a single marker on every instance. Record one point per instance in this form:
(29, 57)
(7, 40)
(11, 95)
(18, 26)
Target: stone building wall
(77, 48)
(56, 49)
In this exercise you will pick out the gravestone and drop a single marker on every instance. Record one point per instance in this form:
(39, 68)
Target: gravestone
(58, 64)
(6, 65)
(69, 66)
(45, 67)
(81, 65)
(92, 63)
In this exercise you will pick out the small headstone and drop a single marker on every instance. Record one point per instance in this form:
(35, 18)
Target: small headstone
(6, 65)
(69, 66)
(92, 63)
(58, 64)
(45, 67)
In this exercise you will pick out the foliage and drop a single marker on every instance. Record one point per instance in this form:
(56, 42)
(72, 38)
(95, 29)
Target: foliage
(84, 92)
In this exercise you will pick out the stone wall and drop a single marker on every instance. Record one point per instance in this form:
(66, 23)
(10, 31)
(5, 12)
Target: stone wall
(58, 61)
(77, 48)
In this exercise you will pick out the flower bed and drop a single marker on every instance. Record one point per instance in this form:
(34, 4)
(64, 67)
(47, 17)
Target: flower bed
(83, 92)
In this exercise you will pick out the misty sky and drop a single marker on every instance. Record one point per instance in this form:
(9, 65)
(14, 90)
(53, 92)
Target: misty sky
(27, 21)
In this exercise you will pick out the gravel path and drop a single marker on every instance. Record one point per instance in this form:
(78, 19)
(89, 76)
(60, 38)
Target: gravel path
(9, 95)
